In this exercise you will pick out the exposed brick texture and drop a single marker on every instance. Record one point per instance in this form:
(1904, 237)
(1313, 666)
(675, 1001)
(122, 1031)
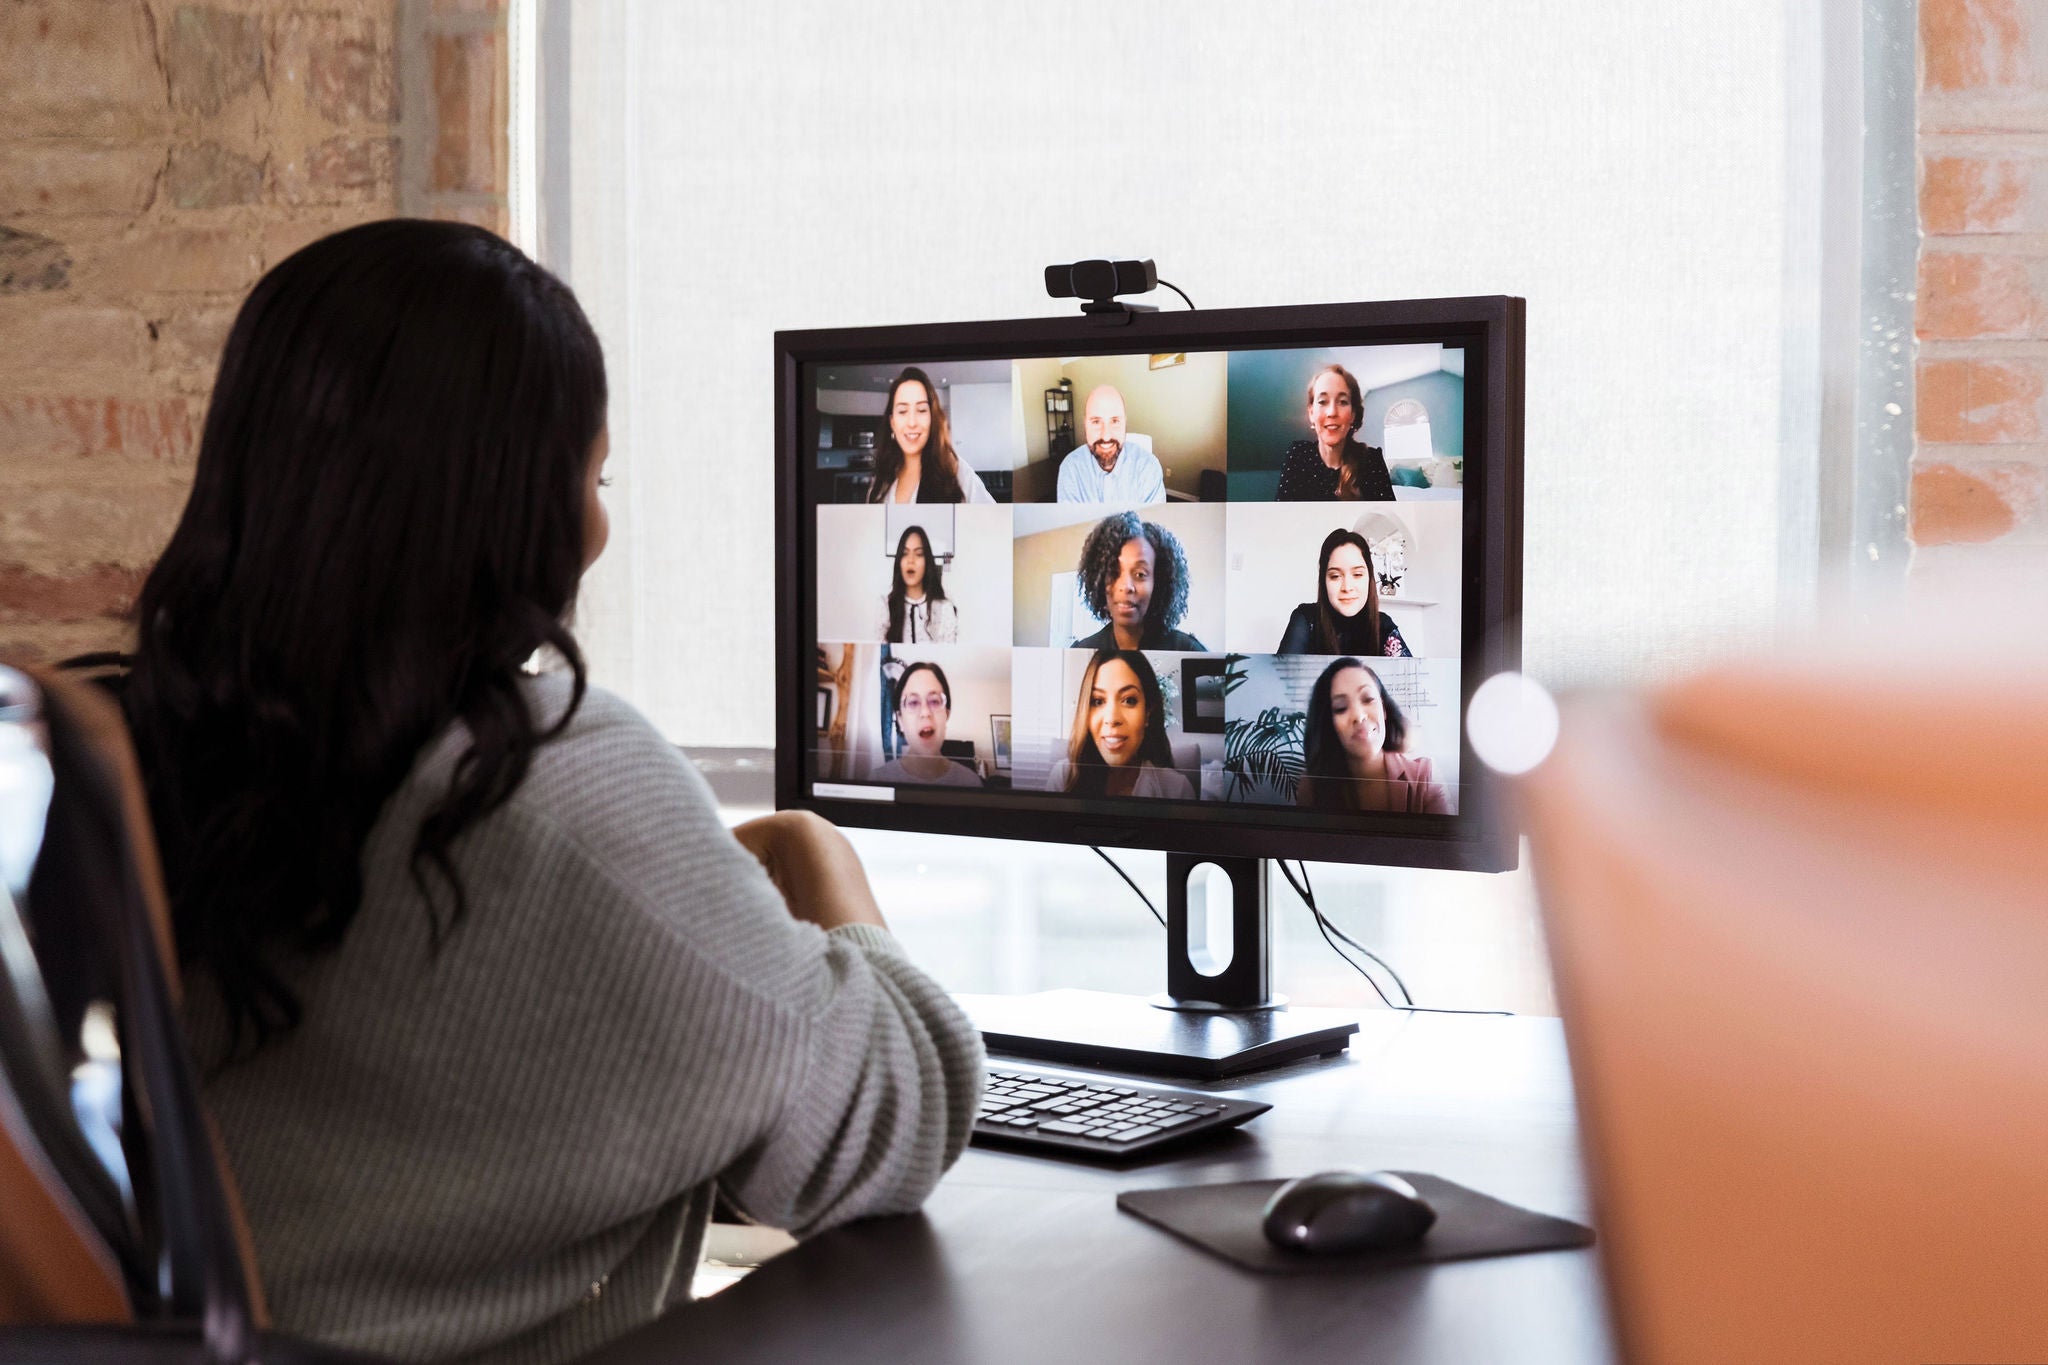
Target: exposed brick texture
(31, 263)
(210, 56)
(342, 66)
(155, 158)
(1982, 302)
(35, 430)
(209, 176)
(1950, 505)
(1982, 401)
(1976, 44)
(70, 70)
(101, 591)
(467, 101)
(77, 179)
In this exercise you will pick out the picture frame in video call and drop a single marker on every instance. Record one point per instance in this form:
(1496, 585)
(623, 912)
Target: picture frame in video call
(1215, 582)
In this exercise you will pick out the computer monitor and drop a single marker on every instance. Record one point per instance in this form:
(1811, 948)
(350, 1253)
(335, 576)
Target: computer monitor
(1218, 583)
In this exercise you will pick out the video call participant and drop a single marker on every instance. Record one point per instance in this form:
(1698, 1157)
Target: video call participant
(1110, 468)
(405, 876)
(916, 610)
(915, 461)
(1134, 574)
(1345, 618)
(1118, 746)
(924, 702)
(1331, 465)
(1354, 759)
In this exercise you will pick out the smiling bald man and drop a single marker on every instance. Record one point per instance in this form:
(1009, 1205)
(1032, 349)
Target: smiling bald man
(1115, 465)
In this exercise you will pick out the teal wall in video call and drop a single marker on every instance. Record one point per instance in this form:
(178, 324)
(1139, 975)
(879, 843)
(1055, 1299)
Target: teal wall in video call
(1441, 393)
(1267, 413)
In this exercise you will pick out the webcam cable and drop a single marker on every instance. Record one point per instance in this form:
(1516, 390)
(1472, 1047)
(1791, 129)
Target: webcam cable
(1325, 928)
(1118, 869)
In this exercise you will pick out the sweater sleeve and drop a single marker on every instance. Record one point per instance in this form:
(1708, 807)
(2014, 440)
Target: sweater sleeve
(819, 1077)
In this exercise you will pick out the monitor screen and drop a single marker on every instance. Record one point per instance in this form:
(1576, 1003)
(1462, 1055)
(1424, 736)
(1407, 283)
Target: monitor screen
(1177, 595)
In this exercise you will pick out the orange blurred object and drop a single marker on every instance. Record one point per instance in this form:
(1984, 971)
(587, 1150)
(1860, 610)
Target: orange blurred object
(1799, 920)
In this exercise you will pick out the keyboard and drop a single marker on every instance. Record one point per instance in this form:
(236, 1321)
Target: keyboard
(1068, 1116)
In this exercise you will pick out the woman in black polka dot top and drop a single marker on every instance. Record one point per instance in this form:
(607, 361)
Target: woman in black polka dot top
(1331, 465)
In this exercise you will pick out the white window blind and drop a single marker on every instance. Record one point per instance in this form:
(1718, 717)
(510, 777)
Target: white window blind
(731, 170)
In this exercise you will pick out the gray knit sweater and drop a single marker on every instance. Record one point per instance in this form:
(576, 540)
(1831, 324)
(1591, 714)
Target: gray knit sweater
(507, 1150)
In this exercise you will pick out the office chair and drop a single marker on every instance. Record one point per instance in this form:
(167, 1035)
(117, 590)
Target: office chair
(1799, 922)
(112, 1248)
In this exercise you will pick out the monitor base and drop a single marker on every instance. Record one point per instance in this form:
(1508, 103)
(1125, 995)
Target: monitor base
(1127, 1033)
(1163, 1001)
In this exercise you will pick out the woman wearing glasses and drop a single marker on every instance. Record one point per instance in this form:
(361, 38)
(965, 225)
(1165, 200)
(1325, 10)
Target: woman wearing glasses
(924, 702)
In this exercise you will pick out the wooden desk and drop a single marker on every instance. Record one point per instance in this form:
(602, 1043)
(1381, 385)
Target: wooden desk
(1021, 1258)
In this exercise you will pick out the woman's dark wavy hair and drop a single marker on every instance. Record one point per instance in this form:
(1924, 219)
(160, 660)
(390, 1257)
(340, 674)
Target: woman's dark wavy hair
(1087, 774)
(1324, 764)
(934, 582)
(938, 477)
(386, 522)
(1328, 622)
(1098, 566)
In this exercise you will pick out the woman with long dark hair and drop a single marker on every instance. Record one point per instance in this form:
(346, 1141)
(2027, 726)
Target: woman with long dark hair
(1118, 744)
(490, 1000)
(1333, 463)
(915, 460)
(1356, 757)
(1345, 618)
(916, 611)
(1134, 575)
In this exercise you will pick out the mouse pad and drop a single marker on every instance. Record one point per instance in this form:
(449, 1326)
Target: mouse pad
(1225, 1219)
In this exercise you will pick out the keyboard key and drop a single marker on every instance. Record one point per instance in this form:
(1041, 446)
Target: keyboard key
(1067, 1126)
(1133, 1134)
(1175, 1121)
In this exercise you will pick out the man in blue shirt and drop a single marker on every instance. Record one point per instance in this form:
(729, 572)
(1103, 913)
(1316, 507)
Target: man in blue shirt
(1115, 466)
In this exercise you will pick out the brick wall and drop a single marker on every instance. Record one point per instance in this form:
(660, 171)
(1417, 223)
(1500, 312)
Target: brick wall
(155, 159)
(1981, 464)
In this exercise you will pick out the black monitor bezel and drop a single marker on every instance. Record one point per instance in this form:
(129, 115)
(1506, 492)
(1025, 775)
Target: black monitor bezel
(1483, 837)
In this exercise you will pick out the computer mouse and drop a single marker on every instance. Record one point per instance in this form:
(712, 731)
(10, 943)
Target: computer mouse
(1335, 1212)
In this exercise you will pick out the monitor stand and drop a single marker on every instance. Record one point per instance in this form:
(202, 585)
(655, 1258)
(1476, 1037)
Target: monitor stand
(1218, 1016)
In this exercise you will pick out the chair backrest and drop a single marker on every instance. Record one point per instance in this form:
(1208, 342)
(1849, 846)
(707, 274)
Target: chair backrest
(151, 1228)
(57, 1262)
(1799, 921)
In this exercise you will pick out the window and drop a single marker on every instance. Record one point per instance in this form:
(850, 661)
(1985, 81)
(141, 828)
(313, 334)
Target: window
(1648, 177)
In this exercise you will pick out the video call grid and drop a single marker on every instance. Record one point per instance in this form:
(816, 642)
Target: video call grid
(1214, 566)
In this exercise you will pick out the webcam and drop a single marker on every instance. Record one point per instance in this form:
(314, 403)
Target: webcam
(1097, 283)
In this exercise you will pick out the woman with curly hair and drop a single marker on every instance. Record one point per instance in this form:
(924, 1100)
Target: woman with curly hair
(1134, 575)
(916, 461)
(1331, 464)
(1118, 745)
(1355, 743)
